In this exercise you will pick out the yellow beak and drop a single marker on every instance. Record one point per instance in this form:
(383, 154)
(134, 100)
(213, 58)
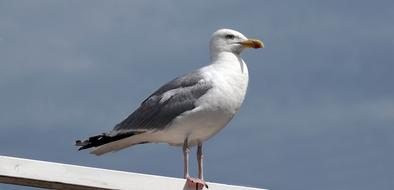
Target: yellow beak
(252, 43)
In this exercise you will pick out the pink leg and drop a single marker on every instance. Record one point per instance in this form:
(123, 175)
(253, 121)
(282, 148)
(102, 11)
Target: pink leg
(193, 182)
(200, 158)
(186, 151)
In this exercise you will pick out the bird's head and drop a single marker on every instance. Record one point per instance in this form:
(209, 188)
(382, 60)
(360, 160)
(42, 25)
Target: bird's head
(227, 40)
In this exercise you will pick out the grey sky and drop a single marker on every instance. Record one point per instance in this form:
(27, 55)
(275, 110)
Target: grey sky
(319, 112)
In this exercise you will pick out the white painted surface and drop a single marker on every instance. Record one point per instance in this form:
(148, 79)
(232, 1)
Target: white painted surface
(63, 176)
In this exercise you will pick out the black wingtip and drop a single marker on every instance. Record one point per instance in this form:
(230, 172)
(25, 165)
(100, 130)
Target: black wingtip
(99, 140)
(82, 144)
(78, 143)
(81, 148)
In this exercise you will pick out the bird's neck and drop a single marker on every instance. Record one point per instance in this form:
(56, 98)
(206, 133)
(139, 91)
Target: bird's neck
(221, 57)
(228, 60)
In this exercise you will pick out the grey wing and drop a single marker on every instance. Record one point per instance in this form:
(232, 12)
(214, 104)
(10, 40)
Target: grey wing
(165, 104)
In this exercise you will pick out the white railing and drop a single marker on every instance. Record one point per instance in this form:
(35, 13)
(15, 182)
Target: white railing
(52, 175)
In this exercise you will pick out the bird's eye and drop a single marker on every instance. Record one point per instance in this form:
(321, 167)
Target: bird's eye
(229, 36)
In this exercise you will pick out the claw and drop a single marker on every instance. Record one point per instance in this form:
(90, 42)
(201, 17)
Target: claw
(195, 182)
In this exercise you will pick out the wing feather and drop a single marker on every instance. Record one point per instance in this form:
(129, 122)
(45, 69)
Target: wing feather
(156, 111)
(165, 104)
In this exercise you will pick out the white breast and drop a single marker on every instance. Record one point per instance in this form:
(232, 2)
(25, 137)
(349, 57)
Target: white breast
(230, 81)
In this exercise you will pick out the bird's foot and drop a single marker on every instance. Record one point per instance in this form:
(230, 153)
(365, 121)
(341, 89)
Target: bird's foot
(195, 182)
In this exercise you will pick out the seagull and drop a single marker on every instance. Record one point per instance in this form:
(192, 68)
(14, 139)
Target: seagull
(190, 109)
